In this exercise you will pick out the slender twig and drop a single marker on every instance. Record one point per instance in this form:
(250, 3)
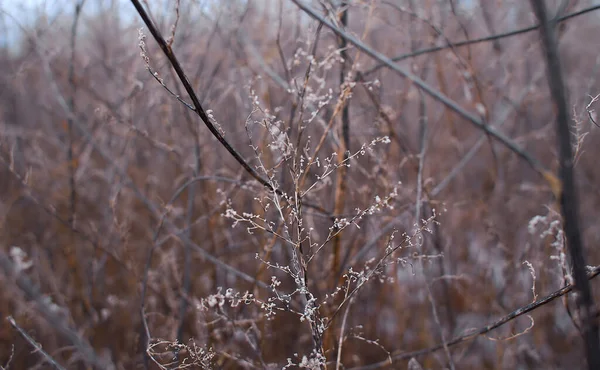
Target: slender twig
(475, 333)
(32, 293)
(288, 76)
(503, 116)
(227, 46)
(449, 45)
(36, 345)
(187, 251)
(300, 128)
(245, 41)
(71, 102)
(568, 195)
(344, 149)
(438, 324)
(423, 132)
(506, 141)
(137, 192)
(192, 94)
(10, 358)
(74, 229)
(152, 207)
(191, 199)
(419, 206)
(174, 27)
(475, 148)
(465, 64)
(197, 107)
(338, 361)
(145, 337)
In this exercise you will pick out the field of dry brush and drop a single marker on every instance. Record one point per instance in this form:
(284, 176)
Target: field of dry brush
(340, 184)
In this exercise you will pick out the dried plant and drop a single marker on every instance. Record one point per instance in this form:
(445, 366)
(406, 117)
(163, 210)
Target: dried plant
(304, 184)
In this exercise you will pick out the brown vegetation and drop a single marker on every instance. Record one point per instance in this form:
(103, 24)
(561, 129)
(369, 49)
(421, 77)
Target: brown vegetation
(404, 223)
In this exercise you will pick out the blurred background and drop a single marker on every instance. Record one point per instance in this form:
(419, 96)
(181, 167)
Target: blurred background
(114, 195)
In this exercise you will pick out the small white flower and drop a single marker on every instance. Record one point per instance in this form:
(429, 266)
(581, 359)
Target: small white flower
(18, 255)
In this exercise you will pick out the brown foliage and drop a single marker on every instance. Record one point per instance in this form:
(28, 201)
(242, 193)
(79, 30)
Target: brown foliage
(134, 147)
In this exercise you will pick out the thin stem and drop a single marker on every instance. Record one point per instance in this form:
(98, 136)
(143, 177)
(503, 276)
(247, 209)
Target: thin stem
(34, 344)
(486, 329)
(449, 45)
(190, 91)
(509, 143)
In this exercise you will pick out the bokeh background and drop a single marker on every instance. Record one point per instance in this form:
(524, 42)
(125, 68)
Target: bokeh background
(97, 158)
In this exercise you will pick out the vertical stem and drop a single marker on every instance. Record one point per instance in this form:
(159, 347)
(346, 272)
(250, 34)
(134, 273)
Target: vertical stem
(345, 147)
(568, 193)
(343, 151)
(71, 103)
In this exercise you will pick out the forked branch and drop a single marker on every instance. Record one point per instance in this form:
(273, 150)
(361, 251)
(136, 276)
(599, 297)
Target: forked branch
(166, 48)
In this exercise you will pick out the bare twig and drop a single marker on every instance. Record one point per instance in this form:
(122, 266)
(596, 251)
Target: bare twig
(288, 76)
(449, 45)
(174, 27)
(344, 149)
(12, 354)
(149, 204)
(192, 94)
(338, 361)
(503, 116)
(71, 102)
(36, 345)
(32, 293)
(475, 148)
(591, 113)
(486, 329)
(506, 141)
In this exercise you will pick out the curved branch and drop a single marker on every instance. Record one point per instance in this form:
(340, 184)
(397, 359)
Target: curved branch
(195, 101)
